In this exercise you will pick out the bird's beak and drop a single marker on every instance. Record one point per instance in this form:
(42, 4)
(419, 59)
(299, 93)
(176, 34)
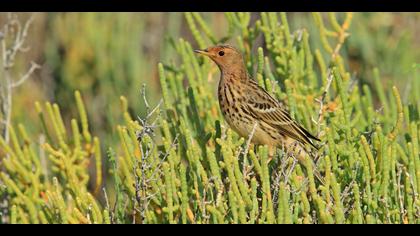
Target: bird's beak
(203, 52)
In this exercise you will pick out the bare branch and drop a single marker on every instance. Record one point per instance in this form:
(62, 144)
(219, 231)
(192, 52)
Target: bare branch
(26, 76)
(12, 29)
(322, 101)
(245, 151)
(17, 46)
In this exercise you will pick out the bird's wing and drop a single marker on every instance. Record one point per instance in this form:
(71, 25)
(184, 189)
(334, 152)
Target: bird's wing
(267, 109)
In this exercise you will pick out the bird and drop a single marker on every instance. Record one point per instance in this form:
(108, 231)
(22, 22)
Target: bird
(250, 110)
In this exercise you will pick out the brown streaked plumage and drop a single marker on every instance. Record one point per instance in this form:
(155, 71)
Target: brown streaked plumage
(245, 104)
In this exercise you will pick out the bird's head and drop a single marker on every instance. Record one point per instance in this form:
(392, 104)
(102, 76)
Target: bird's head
(225, 56)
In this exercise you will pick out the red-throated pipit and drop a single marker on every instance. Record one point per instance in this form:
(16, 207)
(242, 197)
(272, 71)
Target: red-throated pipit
(247, 107)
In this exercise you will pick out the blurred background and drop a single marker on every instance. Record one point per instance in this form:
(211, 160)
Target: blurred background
(106, 55)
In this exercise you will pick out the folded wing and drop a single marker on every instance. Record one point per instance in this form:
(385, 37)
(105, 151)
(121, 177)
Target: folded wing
(267, 109)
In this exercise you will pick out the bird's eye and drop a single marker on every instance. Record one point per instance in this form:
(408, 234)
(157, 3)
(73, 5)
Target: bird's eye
(221, 53)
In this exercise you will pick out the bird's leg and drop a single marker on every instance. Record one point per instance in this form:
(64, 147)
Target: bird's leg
(247, 167)
(306, 160)
(299, 152)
